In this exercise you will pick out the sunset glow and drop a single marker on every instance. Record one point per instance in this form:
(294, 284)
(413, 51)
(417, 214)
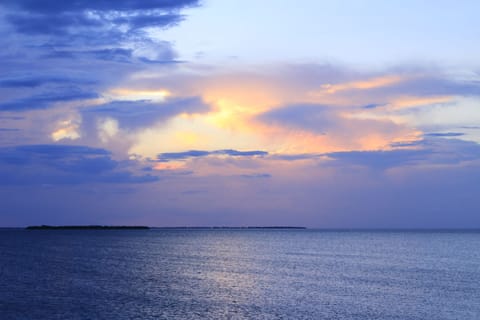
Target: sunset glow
(199, 111)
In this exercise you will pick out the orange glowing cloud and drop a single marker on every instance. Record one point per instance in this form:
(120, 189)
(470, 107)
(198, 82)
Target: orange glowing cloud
(68, 129)
(132, 94)
(238, 101)
(372, 83)
(171, 165)
(411, 102)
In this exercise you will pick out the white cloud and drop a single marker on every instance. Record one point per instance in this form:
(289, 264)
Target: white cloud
(107, 129)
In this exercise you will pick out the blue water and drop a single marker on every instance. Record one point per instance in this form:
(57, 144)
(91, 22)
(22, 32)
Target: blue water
(238, 274)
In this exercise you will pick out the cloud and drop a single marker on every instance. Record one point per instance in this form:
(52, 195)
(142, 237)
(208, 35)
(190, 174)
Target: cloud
(109, 54)
(149, 20)
(32, 81)
(201, 153)
(406, 80)
(159, 61)
(67, 129)
(364, 84)
(402, 144)
(436, 84)
(107, 21)
(107, 129)
(53, 7)
(372, 106)
(444, 134)
(62, 164)
(143, 113)
(335, 127)
(312, 117)
(110, 31)
(256, 176)
(428, 152)
(163, 54)
(60, 52)
(379, 159)
(47, 99)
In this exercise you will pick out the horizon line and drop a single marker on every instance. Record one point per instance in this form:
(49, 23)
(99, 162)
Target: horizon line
(255, 227)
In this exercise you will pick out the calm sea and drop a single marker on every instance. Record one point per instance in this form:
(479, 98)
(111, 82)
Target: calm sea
(238, 274)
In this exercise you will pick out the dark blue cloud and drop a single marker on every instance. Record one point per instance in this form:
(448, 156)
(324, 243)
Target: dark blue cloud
(405, 144)
(235, 153)
(112, 20)
(143, 21)
(46, 99)
(53, 25)
(88, 31)
(64, 23)
(183, 155)
(110, 54)
(56, 6)
(373, 105)
(445, 134)
(32, 81)
(62, 164)
(119, 55)
(135, 114)
(256, 176)
(23, 154)
(201, 153)
(158, 61)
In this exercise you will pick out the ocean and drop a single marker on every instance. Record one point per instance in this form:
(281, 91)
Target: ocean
(239, 274)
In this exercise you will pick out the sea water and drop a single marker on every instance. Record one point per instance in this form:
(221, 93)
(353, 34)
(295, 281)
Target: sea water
(239, 274)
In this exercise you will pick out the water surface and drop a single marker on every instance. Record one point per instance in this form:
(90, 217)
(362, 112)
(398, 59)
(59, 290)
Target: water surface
(238, 274)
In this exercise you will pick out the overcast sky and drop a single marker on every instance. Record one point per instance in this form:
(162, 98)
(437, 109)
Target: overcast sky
(233, 113)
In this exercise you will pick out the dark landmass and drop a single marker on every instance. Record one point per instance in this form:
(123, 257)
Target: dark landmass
(92, 227)
(97, 227)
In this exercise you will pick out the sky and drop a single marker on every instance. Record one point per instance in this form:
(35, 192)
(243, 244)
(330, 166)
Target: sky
(323, 114)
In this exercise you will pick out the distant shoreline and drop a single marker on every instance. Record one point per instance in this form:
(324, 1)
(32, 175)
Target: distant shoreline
(99, 227)
(91, 227)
